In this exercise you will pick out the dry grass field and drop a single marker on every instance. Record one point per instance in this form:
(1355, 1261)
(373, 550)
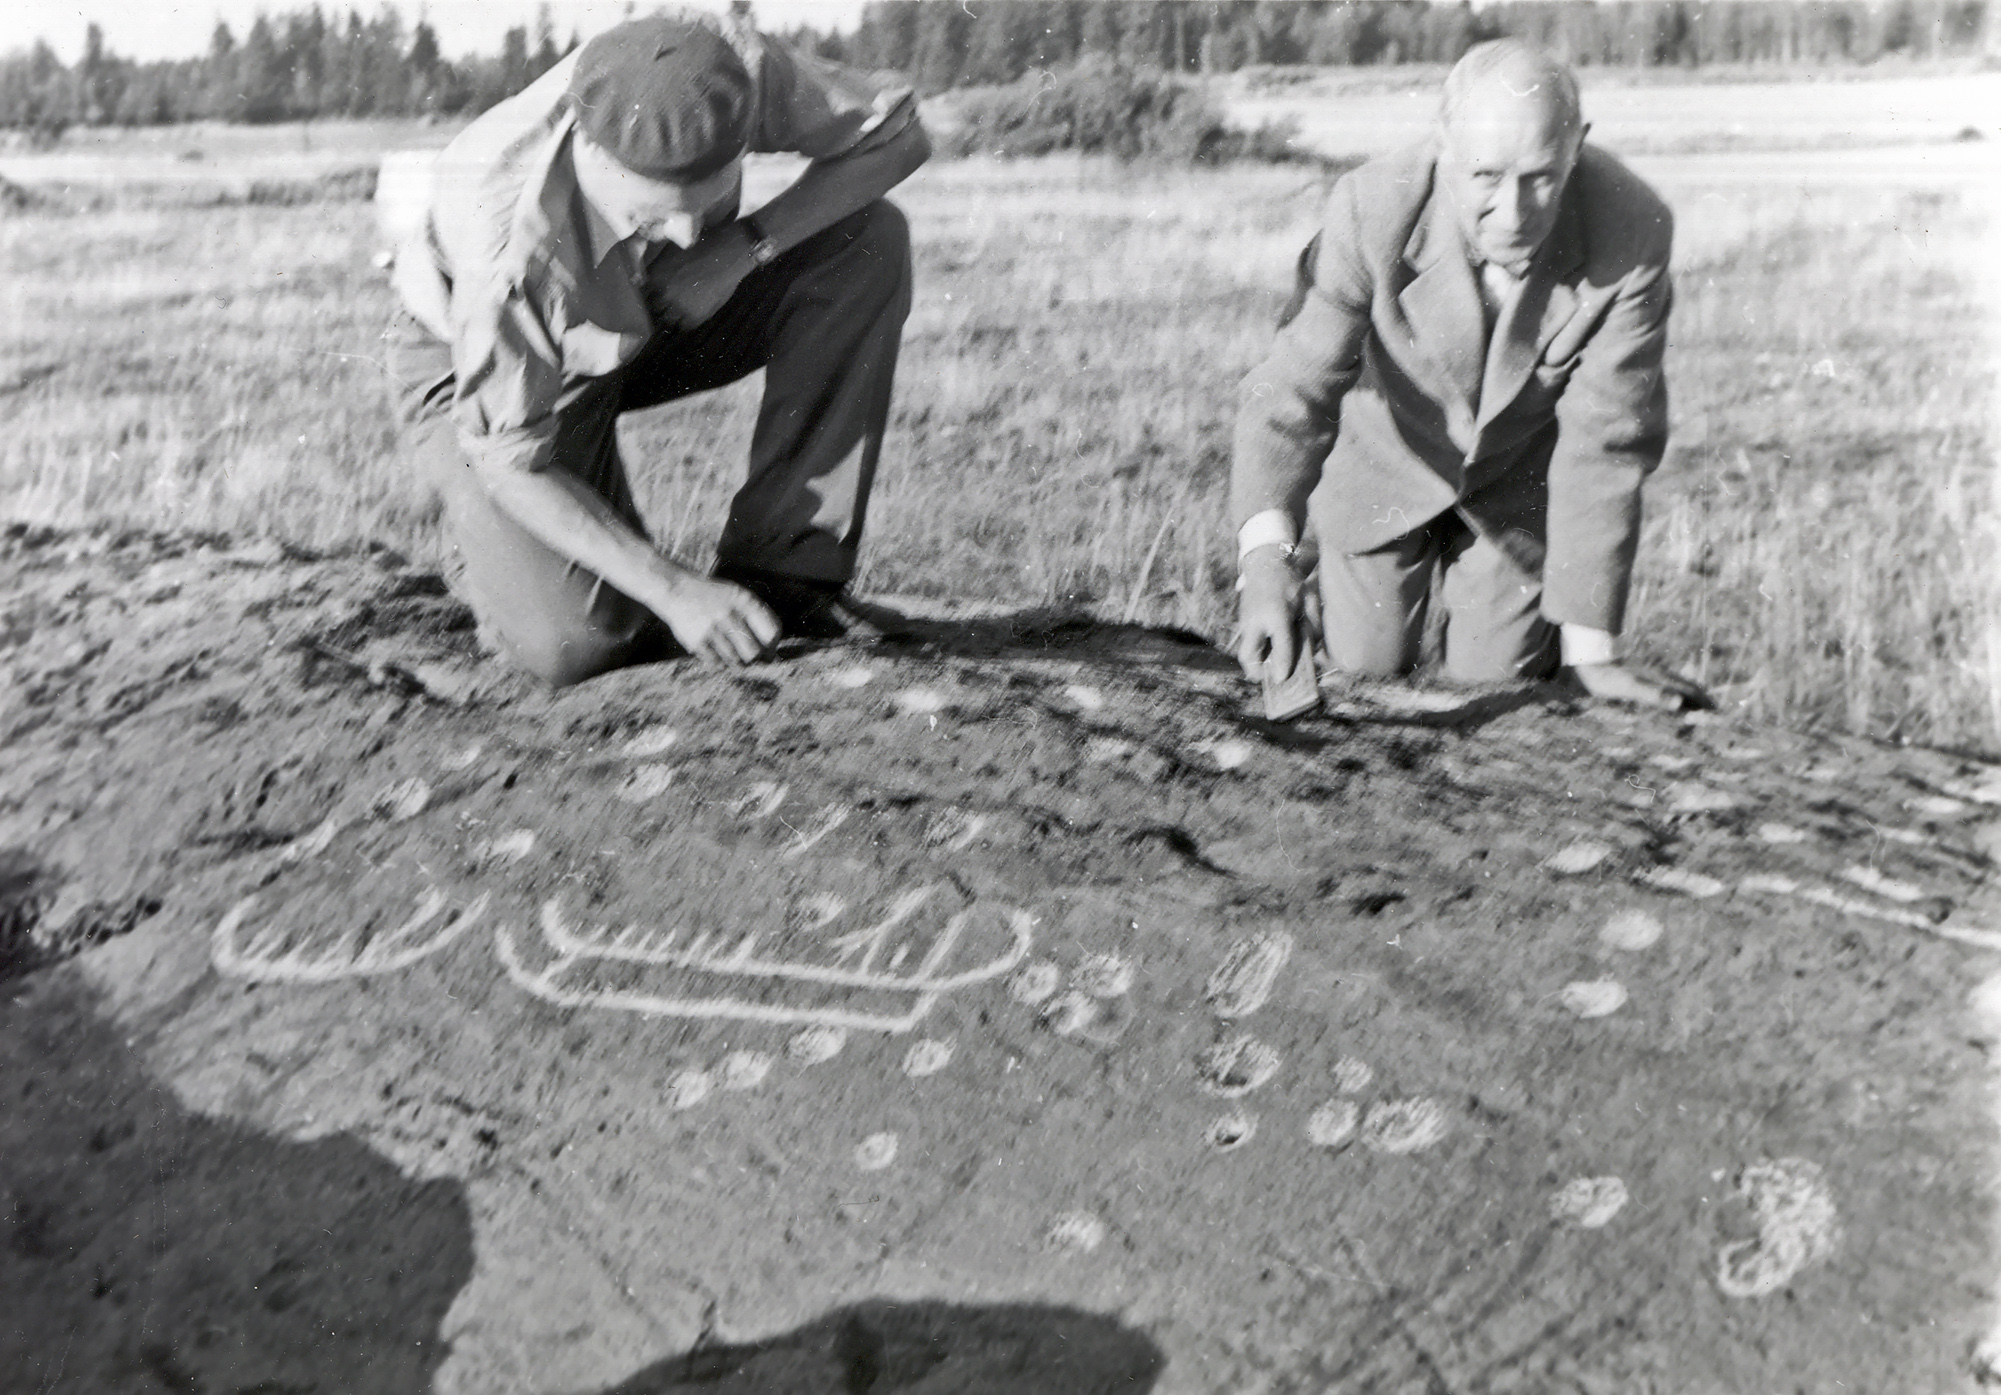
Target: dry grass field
(1819, 542)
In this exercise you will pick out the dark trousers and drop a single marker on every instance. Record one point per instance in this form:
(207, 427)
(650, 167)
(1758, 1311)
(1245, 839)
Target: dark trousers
(823, 320)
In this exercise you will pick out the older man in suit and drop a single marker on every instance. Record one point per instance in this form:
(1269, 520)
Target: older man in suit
(1463, 400)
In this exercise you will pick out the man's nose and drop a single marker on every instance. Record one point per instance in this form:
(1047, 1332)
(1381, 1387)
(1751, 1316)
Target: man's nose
(1510, 203)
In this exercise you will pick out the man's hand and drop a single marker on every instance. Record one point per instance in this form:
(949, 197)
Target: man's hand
(692, 286)
(1268, 616)
(1640, 686)
(717, 621)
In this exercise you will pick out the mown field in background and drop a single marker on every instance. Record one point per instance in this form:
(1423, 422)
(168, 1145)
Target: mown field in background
(1819, 545)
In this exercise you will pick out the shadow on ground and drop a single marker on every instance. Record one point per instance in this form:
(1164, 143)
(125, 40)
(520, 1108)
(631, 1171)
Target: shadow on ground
(927, 1348)
(144, 1248)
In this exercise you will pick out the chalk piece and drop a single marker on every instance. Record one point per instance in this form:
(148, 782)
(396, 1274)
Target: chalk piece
(1243, 981)
(919, 702)
(849, 678)
(1779, 834)
(1079, 1231)
(1682, 882)
(812, 1045)
(1589, 1202)
(1292, 694)
(647, 782)
(875, 1152)
(650, 742)
(1594, 998)
(1333, 1125)
(688, 1088)
(1036, 982)
(1231, 1131)
(1236, 1067)
(1631, 930)
(927, 1057)
(1103, 976)
(1405, 1126)
(743, 1070)
(1578, 858)
(1797, 1226)
(1084, 697)
(1869, 879)
(403, 801)
(1352, 1075)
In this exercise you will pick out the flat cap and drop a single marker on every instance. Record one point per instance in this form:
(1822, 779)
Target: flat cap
(666, 98)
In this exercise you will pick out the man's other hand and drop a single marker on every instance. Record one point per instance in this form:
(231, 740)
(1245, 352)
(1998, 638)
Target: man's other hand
(1642, 687)
(1268, 616)
(718, 621)
(688, 288)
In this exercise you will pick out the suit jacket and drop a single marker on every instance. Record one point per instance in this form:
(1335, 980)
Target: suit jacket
(1385, 400)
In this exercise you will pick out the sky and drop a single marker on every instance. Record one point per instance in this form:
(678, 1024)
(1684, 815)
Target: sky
(146, 29)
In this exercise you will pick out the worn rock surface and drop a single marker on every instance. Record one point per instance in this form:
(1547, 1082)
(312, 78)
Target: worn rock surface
(1003, 1009)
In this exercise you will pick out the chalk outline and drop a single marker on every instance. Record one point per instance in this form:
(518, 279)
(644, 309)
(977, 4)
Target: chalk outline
(633, 947)
(346, 957)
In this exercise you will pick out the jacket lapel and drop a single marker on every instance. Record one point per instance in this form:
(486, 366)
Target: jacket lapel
(1441, 308)
(1542, 307)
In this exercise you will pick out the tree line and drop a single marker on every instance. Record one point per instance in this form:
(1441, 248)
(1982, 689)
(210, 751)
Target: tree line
(308, 64)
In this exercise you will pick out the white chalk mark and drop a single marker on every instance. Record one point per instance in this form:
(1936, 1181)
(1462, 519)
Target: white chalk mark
(814, 1045)
(1768, 884)
(465, 759)
(849, 678)
(954, 830)
(1084, 697)
(831, 818)
(926, 983)
(1405, 1126)
(1780, 835)
(743, 1070)
(688, 1088)
(1036, 983)
(1243, 981)
(402, 801)
(1589, 1202)
(1228, 754)
(1797, 1226)
(647, 782)
(868, 943)
(1938, 806)
(1578, 858)
(1869, 879)
(816, 911)
(1103, 976)
(1078, 1231)
(1631, 930)
(1694, 797)
(1108, 750)
(507, 847)
(1909, 837)
(921, 702)
(1986, 791)
(1673, 765)
(761, 801)
(1333, 1125)
(348, 954)
(927, 1057)
(1593, 998)
(650, 742)
(1352, 1075)
(1236, 1067)
(875, 1152)
(1682, 882)
(312, 844)
(1070, 1014)
(1232, 1130)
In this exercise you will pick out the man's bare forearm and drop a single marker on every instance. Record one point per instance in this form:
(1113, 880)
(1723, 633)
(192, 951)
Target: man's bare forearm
(567, 516)
(830, 190)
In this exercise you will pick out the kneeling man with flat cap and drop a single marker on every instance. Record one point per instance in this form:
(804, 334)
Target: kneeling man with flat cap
(1463, 400)
(578, 253)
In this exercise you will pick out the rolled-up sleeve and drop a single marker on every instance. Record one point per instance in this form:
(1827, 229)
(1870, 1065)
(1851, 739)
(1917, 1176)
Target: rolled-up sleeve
(824, 110)
(510, 378)
(1290, 404)
(1612, 427)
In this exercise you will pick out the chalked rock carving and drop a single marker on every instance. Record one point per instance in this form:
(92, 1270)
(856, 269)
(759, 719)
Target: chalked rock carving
(1333, 1125)
(1589, 1202)
(1797, 1226)
(1771, 884)
(1405, 1126)
(1244, 979)
(1578, 858)
(1236, 1067)
(886, 977)
(1076, 1231)
(284, 953)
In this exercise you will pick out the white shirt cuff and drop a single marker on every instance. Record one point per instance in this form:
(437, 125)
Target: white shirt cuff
(1264, 529)
(1584, 645)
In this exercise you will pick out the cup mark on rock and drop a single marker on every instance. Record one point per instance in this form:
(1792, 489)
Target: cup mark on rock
(1243, 981)
(650, 742)
(849, 678)
(1631, 930)
(743, 1070)
(927, 1057)
(921, 702)
(1231, 1131)
(1780, 834)
(875, 1152)
(1036, 982)
(1797, 1226)
(1593, 997)
(1076, 1231)
(647, 782)
(1869, 879)
(1405, 1126)
(1578, 858)
(1682, 882)
(1236, 1067)
(813, 1045)
(403, 801)
(1352, 1075)
(1588, 1202)
(688, 1088)
(1333, 1125)
(1084, 697)
(1103, 976)
(508, 847)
